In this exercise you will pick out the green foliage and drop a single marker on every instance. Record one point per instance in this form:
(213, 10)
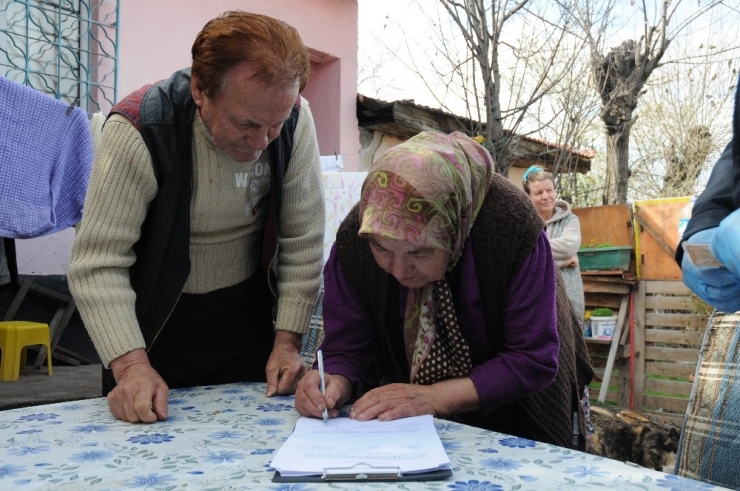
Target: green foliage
(594, 245)
(602, 312)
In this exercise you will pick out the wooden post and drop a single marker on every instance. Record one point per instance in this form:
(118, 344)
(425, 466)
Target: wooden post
(623, 315)
(638, 381)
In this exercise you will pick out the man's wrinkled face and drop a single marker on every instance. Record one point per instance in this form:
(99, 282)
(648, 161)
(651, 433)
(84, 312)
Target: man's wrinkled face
(246, 116)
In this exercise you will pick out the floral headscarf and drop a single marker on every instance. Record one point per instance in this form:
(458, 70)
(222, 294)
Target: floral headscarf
(428, 191)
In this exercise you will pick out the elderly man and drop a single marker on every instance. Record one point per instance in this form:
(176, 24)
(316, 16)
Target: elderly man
(199, 255)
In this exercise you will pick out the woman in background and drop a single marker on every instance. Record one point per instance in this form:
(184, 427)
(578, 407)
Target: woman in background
(563, 229)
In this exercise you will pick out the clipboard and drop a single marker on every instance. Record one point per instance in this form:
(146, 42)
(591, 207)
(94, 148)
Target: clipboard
(365, 473)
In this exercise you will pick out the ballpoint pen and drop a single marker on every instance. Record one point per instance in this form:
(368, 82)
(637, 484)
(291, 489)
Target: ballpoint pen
(320, 360)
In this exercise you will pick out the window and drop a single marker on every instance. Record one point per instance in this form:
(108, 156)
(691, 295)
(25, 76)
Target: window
(65, 48)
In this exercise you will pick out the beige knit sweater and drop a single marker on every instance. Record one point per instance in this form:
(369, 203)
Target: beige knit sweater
(224, 229)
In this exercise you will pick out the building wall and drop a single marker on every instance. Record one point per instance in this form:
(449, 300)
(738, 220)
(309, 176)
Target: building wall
(150, 52)
(155, 40)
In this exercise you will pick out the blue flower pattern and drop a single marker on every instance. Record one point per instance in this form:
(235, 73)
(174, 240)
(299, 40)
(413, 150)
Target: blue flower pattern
(38, 417)
(488, 450)
(678, 483)
(224, 437)
(91, 456)
(223, 457)
(516, 442)
(150, 481)
(584, 471)
(263, 451)
(92, 428)
(10, 470)
(155, 438)
(501, 464)
(269, 407)
(28, 450)
(474, 485)
(270, 421)
(451, 446)
(292, 487)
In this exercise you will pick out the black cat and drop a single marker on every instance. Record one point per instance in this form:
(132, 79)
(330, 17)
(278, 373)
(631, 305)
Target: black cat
(637, 443)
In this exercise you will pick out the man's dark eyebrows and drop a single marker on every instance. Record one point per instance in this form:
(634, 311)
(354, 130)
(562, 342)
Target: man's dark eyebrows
(255, 123)
(240, 121)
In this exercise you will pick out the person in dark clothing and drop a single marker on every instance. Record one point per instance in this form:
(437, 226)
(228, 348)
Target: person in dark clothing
(442, 297)
(709, 444)
(715, 221)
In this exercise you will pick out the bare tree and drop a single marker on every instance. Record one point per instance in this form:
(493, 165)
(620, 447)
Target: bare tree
(372, 79)
(620, 74)
(685, 161)
(568, 114)
(685, 115)
(497, 59)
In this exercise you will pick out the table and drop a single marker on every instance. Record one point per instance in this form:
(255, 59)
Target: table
(224, 437)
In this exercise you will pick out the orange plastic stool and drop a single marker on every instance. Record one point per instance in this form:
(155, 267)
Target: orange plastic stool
(15, 336)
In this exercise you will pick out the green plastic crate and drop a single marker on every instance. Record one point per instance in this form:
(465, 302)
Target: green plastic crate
(604, 258)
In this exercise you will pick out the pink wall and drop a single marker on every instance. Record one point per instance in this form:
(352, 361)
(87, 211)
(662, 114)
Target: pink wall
(156, 36)
(321, 92)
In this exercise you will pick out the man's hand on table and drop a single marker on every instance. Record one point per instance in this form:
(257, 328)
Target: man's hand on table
(140, 394)
(285, 367)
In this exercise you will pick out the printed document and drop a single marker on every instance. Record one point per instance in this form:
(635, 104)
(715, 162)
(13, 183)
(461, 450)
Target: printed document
(410, 444)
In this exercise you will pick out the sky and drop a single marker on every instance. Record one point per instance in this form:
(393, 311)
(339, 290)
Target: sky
(394, 25)
(377, 19)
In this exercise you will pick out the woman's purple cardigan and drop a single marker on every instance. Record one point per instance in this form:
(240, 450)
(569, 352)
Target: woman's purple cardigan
(527, 364)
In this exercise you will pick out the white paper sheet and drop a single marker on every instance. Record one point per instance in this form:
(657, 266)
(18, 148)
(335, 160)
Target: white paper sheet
(411, 444)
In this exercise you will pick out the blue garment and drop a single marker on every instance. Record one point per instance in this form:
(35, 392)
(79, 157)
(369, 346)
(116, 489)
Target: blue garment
(719, 287)
(45, 162)
(709, 446)
(714, 221)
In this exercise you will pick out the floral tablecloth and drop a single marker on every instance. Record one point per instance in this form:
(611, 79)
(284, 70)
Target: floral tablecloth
(224, 437)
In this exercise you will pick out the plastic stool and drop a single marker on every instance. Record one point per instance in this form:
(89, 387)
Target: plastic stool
(15, 336)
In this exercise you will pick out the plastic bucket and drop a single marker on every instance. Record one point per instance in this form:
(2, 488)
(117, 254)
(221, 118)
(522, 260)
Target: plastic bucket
(603, 327)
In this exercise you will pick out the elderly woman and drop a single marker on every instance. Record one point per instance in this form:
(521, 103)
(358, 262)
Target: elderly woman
(441, 297)
(563, 230)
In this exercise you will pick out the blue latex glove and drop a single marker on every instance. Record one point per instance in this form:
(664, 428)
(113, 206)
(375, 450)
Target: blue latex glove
(725, 246)
(717, 286)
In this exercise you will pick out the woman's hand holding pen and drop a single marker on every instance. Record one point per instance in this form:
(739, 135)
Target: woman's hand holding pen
(310, 402)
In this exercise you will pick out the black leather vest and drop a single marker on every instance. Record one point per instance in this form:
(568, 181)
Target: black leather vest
(163, 113)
